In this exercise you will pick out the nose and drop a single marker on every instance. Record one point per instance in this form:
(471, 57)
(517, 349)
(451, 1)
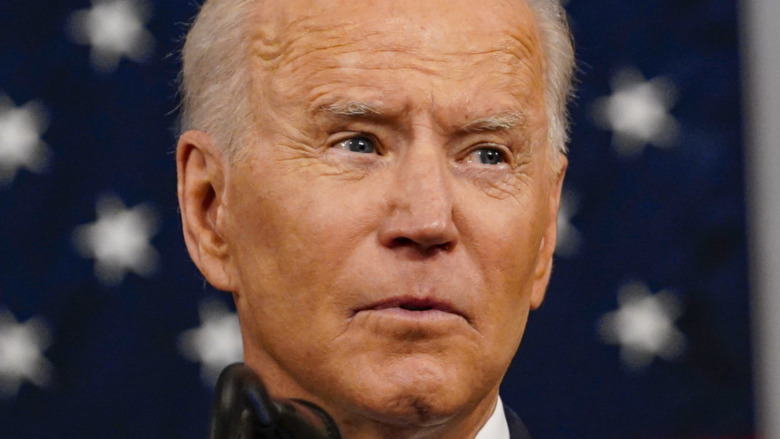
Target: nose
(420, 204)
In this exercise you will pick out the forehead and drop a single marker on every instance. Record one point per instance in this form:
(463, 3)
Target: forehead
(488, 42)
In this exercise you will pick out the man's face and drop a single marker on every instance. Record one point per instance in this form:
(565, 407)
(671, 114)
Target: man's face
(391, 222)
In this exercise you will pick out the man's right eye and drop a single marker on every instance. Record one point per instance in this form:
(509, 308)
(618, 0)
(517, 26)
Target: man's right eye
(360, 144)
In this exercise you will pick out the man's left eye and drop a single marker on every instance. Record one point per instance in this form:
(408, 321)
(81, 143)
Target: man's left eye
(486, 156)
(360, 144)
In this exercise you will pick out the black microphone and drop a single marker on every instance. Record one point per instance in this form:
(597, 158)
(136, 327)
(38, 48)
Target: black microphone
(242, 409)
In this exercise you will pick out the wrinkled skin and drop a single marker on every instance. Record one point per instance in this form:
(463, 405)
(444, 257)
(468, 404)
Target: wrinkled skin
(399, 160)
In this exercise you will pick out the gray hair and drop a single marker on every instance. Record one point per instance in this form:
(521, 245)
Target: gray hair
(215, 83)
(558, 49)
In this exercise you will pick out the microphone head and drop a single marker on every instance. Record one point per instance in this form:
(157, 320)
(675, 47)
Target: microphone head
(243, 409)
(242, 406)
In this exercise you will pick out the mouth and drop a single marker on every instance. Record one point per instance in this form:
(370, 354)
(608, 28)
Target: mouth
(414, 306)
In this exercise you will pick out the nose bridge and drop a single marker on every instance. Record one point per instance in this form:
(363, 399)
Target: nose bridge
(421, 199)
(424, 168)
(423, 182)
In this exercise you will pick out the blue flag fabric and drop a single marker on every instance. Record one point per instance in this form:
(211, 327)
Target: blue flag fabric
(108, 330)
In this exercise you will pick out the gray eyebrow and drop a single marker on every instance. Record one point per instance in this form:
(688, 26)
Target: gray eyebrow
(350, 109)
(496, 122)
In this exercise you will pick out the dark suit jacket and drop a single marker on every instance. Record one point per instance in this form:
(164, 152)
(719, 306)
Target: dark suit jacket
(516, 428)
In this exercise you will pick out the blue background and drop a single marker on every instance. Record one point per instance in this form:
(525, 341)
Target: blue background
(672, 218)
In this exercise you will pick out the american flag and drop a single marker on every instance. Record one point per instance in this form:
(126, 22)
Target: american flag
(108, 330)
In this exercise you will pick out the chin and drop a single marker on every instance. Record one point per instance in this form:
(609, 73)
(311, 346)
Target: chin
(416, 395)
(411, 410)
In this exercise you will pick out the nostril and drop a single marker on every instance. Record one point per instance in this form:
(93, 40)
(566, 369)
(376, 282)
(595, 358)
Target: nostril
(427, 248)
(402, 242)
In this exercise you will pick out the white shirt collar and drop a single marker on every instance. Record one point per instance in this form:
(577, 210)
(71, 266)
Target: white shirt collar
(496, 426)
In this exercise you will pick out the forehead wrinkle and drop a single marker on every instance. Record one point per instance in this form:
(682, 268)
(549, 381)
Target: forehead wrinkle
(293, 42)
(352, 58)
(279, 35)
(281, 23)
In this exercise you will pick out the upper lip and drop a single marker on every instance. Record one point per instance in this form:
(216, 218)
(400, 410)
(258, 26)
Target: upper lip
(413, 304)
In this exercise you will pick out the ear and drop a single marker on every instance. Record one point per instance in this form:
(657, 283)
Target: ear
(547, 247)
(201, 173)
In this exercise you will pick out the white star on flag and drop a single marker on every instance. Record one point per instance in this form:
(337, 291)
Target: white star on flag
(119, 240)
(216, 343)
(637, 112)
(20, 139)
(114, 29)
(569, 238)
(643, 326)
(21, 358)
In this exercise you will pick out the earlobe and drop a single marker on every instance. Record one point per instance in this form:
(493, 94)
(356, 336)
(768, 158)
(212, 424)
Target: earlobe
(549, 239)
(201, 189)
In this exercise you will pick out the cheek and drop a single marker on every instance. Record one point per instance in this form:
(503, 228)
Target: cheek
(293, 239)
(506, 241)
(503, 241)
